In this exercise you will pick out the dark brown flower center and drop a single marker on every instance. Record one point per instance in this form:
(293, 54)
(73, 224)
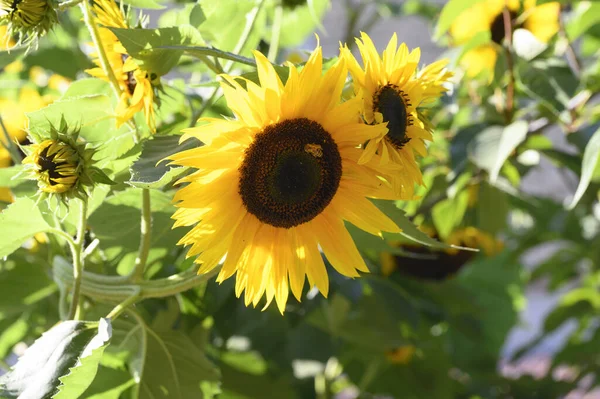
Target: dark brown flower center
(393, 104)
(47, 164)
(423, 263)
(131, 82)
(497, 28)
(290, 173)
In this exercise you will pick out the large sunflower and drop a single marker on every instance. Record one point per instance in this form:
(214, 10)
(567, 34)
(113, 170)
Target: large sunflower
(278, 181)
(393, 90)
(541, 21)
(136, 84)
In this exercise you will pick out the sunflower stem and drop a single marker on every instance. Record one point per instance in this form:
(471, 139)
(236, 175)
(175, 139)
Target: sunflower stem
(145, 238)
(572, 58)
(121, 307)
(68, 4)
(510, 88)
(275, 33)
(77, 253)
(250, 20)
(95, 34)
(10, 145)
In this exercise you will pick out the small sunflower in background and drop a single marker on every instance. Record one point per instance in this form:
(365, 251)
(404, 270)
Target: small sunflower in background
(278, 181)
(26, 19)
(136, 84)
(541, 20)
(13, 113)
(393, 89)
(426, 264)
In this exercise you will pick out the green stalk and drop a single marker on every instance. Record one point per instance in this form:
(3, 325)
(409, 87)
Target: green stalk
(77, 254)
(145, 239)
(88, 18)
(275, 33)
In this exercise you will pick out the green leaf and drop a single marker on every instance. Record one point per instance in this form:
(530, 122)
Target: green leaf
(409, 230)
(83, 373)
(12, 335)
(304, 19)
(19, 222)
(450, 12)
(526, 45)
(449, 213)
(149, 172)
(23, 283)
(7, 176)
(492, 208)
(588, 17)
(588, 165)
(71, 348)
(512, 135)
(116, 223)
(148, 45)
(109, 383)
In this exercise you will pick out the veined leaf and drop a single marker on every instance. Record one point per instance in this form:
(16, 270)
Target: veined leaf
(148, 171)
(590, 160)
(71, 348)
(19, 222)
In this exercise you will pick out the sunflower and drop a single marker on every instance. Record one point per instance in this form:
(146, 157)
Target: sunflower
(423, 263)
(541, 21)
(136, 84)
(27, 19)
(55, 165)
(393, 90)
(5, 161)
(278, 181)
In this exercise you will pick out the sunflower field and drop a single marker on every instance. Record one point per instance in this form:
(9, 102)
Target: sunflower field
(256, 199)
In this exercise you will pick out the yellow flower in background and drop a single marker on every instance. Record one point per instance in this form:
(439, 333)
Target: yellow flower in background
(392, 90)
(5, 161)
(55, 165)
(401, 355)
(13, 113)
(278, 181)
(6, 40)
(424, 263)
(137, 92)
(541, 21)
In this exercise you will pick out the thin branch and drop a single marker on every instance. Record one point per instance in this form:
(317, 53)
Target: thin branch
(67, 4)
(572, 58)
(510, 89)
(145, 238)
(275, 33)
(77, 253)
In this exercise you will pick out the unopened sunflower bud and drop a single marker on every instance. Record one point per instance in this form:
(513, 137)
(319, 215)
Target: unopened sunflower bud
(62, 165)
(27, 20)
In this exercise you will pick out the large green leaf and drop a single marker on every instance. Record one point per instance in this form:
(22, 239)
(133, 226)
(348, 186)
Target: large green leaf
(448, 214)
(19, 222)
(143, 45)
(304, 19)
(60, 364)
(588, 165)
(151, 170)
(116, 223)
(585, 18)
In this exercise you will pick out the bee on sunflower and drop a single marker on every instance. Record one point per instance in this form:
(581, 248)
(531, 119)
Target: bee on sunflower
(393, 89)
(137, 85)
(26, 19)
(541, 20)
(278, 181)
(425, 264)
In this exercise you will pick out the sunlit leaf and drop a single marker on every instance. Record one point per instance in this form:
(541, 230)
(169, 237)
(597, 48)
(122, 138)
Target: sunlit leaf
(590, 160)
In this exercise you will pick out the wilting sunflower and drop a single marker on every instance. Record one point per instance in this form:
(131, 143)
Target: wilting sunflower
(278, 181)
(393, 90)
(423, 263)
(541, 21)
(136, 84)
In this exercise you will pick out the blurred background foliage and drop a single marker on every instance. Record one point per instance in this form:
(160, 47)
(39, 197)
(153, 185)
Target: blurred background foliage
(427, 322)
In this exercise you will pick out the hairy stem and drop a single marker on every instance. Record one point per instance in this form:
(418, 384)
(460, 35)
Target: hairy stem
(88, 18)
(77, 254)
(145, 238)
